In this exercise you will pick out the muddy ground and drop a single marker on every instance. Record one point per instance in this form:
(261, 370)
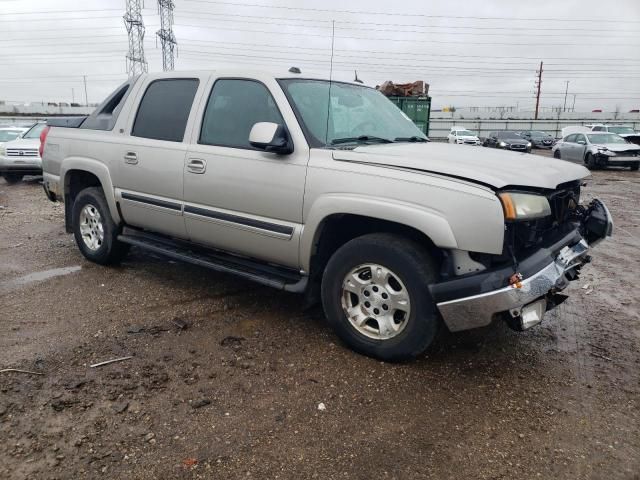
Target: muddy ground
(235, 394)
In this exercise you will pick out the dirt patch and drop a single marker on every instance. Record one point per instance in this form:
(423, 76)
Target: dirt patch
(226, 378)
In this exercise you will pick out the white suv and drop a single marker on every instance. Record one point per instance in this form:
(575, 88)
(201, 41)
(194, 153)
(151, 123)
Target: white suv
(21, 156)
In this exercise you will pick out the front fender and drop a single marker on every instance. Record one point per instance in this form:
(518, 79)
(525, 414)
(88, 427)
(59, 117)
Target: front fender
(429, 222)
(96, 168)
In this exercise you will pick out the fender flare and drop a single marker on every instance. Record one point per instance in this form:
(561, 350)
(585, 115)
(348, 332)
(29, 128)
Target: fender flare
(425, 220)
(96, 168)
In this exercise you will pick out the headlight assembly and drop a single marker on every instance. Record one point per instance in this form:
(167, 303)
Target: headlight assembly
(524, 206)
(604, 151)
(502, 144)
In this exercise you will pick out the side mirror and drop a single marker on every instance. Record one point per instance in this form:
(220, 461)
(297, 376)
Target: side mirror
(270, 137)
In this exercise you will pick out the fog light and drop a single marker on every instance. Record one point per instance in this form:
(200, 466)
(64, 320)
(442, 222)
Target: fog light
(532, 314)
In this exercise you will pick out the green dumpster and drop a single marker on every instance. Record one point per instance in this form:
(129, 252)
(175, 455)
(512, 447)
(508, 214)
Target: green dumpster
(418, 109)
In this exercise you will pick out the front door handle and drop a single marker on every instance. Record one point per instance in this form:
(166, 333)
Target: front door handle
(196, 165)
(131, 158)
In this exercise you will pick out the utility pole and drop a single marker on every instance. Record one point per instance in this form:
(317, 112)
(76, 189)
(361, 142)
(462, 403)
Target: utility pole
(566, 90)
(538, 85)
(73, 95)
(573, 107)
(165, 34)
(136, 63)
(86, 98)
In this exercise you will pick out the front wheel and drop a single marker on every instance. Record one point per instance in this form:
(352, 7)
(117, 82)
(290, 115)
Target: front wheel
(12, 178)
(94, 229)
(590, 162)
(375, 294)
(635, 167)
(556, 154)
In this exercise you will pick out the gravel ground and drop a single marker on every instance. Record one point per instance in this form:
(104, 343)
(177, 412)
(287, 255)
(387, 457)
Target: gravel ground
(238, 392)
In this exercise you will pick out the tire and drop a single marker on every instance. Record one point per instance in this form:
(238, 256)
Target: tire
(557, 155)
(411, 270)
(590, 162)
(635, 167)
(12, 178)
(91, 217)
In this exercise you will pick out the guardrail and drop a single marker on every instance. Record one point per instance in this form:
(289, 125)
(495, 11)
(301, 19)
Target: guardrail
(440, 127)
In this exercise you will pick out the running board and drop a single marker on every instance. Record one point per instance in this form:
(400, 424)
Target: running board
(266, 274)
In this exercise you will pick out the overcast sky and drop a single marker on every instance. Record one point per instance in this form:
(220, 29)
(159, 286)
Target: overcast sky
(472, 53)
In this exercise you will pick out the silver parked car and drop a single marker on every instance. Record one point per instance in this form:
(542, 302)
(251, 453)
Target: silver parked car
(598, 150)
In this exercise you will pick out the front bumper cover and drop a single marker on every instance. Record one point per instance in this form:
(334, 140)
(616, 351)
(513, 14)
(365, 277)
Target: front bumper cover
(479, 310)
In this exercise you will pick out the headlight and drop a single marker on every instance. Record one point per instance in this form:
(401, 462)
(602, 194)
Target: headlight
(524, 206)
(604, 151)
(3, 150)
(529, 145)
(502, 144)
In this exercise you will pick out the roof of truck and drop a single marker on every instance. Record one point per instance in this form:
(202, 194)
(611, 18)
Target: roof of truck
(251, 73)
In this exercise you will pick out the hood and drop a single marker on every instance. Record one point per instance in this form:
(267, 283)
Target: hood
(513, 140)
(23, 143)
(468, 137)
(618, 147)
(493, 167)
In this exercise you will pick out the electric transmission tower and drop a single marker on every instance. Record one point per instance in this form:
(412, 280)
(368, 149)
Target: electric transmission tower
(136, 63)
(165, 34)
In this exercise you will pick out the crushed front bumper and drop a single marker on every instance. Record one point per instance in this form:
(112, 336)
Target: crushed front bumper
(524, 302)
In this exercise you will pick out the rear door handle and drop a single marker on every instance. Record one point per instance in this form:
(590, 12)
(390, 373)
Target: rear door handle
(131, 158)
(196, 165)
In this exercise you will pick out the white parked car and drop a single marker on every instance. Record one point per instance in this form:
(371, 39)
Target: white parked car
(21, 156)
(625, 131)
(463, 137)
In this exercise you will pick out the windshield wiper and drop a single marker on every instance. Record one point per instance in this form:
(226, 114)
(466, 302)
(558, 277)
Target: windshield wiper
(411, 139)
(361, 138)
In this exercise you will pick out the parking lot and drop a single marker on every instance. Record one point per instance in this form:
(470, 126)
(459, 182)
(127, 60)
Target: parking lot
(228, 379)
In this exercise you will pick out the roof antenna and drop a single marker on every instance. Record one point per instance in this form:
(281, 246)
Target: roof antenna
(333, 36)
(357, 79)
(294, 70)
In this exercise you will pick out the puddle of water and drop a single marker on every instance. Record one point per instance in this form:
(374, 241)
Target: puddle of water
(40, 276)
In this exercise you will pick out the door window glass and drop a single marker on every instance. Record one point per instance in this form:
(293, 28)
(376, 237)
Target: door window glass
(234, 107)
(164, 109)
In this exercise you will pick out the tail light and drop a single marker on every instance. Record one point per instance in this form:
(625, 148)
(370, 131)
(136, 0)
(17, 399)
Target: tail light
(43, 138)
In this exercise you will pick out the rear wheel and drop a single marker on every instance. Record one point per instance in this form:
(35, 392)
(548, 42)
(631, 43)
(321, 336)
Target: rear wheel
(375, 294)
(557, 155)
(12, 177)
(94, 229)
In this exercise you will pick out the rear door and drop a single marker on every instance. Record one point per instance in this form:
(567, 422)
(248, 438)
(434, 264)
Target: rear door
(149, 169)
(580, 147)
(238, 198)
(568, 146)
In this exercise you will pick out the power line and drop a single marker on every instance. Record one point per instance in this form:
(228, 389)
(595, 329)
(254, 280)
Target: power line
(368, 12)
(347, 22)
(440, 29)
(413, 41)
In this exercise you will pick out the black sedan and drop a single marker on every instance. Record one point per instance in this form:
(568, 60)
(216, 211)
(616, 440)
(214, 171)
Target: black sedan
(507, 140)
(538, 139)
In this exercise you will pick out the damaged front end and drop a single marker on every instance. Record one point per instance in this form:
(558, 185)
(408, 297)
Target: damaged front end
(540, 257)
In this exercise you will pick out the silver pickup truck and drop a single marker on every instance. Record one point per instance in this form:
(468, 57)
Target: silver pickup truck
(327, 189)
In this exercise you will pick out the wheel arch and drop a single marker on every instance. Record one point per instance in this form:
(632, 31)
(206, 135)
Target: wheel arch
(334, 220)
(80, 173)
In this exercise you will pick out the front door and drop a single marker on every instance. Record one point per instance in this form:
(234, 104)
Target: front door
(150, 161)
(238, 198)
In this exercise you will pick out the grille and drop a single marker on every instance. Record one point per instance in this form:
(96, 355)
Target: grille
(518, 147)
(22, 152)
(563, 202)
